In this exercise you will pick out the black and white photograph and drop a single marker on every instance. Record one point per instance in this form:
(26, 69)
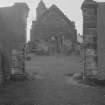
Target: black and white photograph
(52, 52)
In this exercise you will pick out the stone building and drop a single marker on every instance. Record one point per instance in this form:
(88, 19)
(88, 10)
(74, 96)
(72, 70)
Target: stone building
(12, 33)
(94, 38)
(53, 31)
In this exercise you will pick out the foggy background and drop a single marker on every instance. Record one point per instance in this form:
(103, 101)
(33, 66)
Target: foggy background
(71, 8)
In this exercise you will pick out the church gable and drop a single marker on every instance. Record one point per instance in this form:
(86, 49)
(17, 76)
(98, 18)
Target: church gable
(55, 29)
(55, 18)
(54, 22)
(52, 17)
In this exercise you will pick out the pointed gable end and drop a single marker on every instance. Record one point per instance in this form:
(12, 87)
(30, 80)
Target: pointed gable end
(55, 11)
(54, 22)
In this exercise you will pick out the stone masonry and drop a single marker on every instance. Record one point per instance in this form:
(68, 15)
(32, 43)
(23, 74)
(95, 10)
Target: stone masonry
(93, 39)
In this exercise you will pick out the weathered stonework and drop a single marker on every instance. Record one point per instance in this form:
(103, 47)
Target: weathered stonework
(89, 9)
(101, 40)
(94, 38)
(12, 32)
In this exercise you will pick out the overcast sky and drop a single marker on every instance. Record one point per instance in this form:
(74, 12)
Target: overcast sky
(71, 8)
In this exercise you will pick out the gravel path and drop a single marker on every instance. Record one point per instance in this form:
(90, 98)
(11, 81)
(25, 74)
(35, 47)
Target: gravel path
(48, 84)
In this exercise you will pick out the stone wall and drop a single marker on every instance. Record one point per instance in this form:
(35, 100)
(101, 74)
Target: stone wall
(1, 73)
(15, 20)
(89, 8)
(94, 38)
(12, 32)
(101, 40)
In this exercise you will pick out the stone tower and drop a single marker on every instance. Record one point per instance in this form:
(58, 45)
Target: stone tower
(89, 8)
(40, 10)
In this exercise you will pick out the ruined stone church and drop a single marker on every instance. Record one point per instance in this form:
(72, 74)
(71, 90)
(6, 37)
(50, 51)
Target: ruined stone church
(53, 31)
